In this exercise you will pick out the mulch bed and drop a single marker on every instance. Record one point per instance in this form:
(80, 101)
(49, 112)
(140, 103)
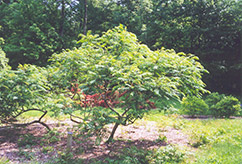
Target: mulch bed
(143, 136)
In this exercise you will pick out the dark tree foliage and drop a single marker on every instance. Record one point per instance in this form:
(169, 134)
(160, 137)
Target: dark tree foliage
(33, 30)
(210, 29)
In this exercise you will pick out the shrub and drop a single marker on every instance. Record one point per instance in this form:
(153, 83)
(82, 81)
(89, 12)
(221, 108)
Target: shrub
(117, 64)
(169, 154)
(213, 98)
(26, 139)
(227, 107)
(194, 106)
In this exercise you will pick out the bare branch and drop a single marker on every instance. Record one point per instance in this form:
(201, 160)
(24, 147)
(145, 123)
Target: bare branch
(74, 120)
(27, 124)
(105, 100)
(23, 111)
(126, 110)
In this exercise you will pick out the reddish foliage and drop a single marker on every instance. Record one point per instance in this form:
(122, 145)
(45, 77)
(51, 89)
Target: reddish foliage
(98, 98)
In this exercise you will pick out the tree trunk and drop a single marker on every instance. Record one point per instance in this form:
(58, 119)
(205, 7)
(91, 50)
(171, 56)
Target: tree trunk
(241, 63)
(85, 18)
(112, 133)
(62, 17)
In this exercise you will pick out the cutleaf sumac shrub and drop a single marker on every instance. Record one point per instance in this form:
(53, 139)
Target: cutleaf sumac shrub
(123, 74)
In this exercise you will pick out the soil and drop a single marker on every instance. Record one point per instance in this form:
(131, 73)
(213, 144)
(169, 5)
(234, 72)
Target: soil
(143, 135)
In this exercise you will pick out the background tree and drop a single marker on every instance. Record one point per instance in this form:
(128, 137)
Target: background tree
(33, 30)
(209, 29)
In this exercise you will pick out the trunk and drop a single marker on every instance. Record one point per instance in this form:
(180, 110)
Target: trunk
(62, 17)
(85, 18)
(241, 63)
(112, 133)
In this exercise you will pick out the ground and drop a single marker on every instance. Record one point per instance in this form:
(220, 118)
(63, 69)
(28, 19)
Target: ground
(19, 148)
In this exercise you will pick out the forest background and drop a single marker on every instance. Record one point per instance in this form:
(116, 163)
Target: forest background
(32, 30)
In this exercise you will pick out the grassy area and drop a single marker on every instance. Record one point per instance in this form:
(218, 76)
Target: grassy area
(214, 140)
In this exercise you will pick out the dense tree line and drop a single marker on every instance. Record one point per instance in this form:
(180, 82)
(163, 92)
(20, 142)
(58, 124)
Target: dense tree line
(35, 29)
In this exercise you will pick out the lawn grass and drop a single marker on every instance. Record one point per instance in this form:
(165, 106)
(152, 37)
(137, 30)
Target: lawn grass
(214, 140)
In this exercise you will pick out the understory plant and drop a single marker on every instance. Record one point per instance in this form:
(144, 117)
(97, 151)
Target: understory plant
(23, 90)
(221, 105)
(124, 75)
(194, 106)
(226, 107)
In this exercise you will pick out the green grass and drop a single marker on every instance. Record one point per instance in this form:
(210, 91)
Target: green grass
(213, 140)
(4, 161)
(221, 153)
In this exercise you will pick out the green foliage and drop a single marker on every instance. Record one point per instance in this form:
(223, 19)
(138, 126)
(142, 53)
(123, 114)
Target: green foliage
(26, 154)
(194, 106)
(35, 29)
(27, 139)
(200, 140)
(210, 29)
(4, 161)
(65, 158)
(3, 61)
(221, 105)
(51, 137)
(47, 149)
(224, 152)
(168, 154)
(25, 89)
(31, 30)
(213, 98)
(117, 63)
(227, 107)
(133, 155)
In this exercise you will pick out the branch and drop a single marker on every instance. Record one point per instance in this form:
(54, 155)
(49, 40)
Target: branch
(131, 122)
(23, 111)
(27, 124)
(33, 122)
(105, 100)
(75, 120)
(125, 111)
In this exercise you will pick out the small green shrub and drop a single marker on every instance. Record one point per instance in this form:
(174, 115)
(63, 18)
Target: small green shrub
(26, 139)
(168, 154)
(133, 155)
(47, 149)
(161, 138)
(213, 98)
(52, 136)
(194, 106)
(201, 140)
(26, 154)
(226, 107)
(65, 158)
